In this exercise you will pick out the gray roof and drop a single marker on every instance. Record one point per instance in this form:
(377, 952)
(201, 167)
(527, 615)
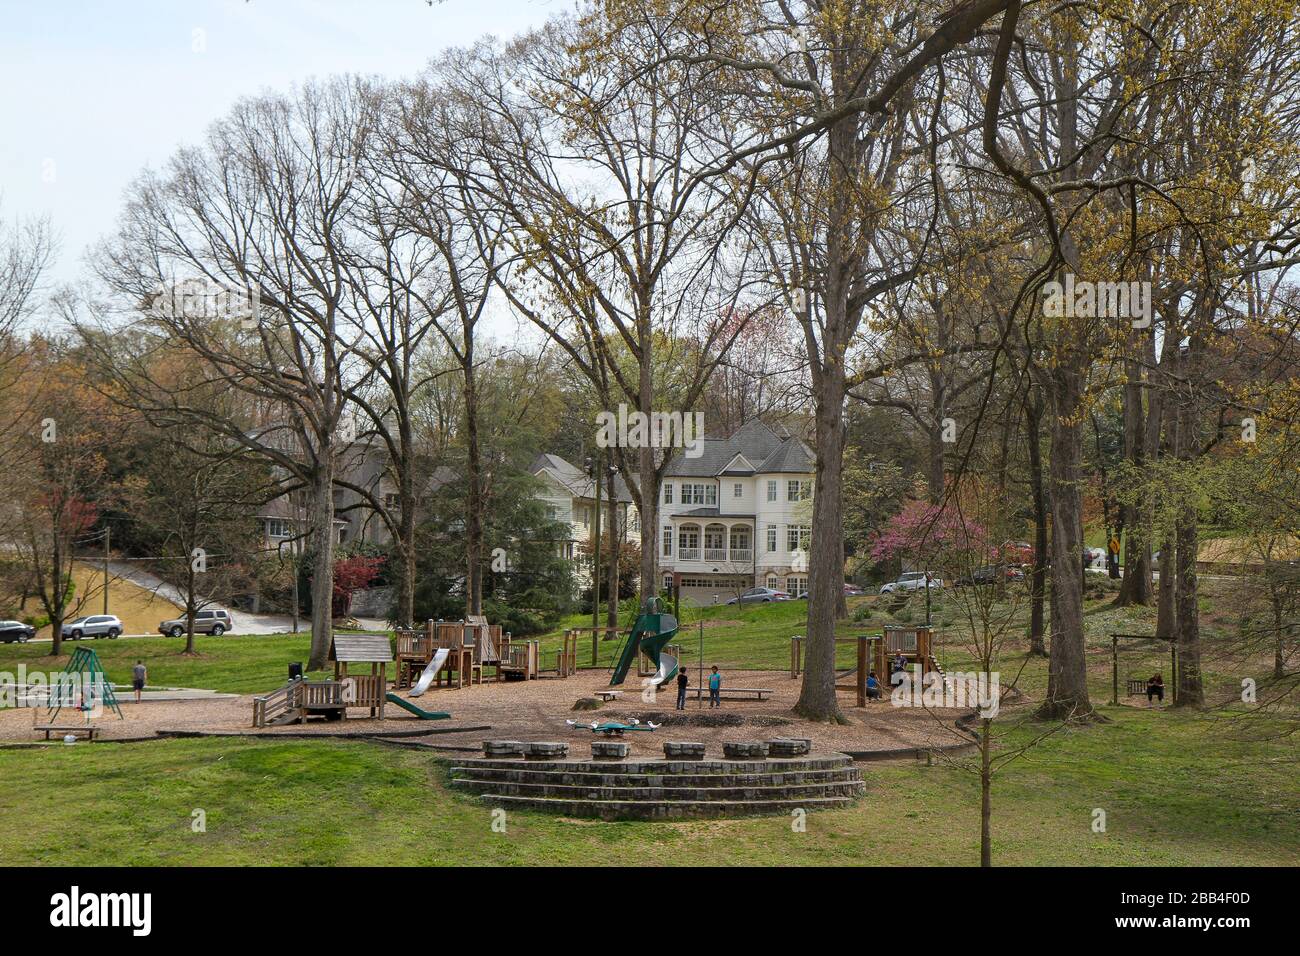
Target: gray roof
(575, 479)
(361, 648)
(767, 451)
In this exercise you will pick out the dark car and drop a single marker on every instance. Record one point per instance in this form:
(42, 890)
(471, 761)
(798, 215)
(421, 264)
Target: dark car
(991, 574)
(11, 631)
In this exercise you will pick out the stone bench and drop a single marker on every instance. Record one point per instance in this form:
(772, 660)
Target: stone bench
(683, 750)
(503, 748)
(546, 750)
(745, 750)
(789, 747)
(610, 749)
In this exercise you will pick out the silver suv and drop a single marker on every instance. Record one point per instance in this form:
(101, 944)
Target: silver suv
(214, 621)
(96, 626)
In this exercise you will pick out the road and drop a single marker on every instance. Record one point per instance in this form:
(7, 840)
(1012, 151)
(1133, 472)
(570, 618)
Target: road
(246, 622)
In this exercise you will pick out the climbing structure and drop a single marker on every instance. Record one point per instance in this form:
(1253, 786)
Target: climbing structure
(89, 679)
(652, 630)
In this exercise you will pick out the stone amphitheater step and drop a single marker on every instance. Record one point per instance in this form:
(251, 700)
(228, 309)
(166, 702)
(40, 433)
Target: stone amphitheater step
(662, 789)
(661, 809)
(659, 766)
(846, 788)
(520, 775)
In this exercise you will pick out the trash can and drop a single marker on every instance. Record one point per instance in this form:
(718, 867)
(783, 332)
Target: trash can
(295, 670)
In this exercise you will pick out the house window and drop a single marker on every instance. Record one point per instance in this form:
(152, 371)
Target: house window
(552, 512)
(797, 537)
(792, 490)
(738, 490)
(668, 493)
(668, 542)
(796, 585)
(668, 582)
(689, 538)
(390, 501)
(710, 494)
(773, 582)
(277, 528)
(771, 538)
(771, 491)
(585, 514)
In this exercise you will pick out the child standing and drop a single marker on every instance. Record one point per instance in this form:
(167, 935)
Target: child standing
(682, 681)
(715, 687)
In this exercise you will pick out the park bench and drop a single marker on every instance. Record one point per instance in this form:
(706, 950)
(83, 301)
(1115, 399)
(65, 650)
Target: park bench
(735, 693)
(608, 695)
(70, 729)
(1136, 688)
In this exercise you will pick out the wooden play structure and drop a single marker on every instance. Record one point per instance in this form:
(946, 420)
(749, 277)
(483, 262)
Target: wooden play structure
(473, 645)
(875, 653)
(299, 698)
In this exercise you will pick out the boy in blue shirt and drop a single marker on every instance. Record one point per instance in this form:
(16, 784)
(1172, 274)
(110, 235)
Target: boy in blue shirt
(873, 687)
(715, 687)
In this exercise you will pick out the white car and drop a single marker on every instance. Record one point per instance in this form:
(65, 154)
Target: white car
(96, 626)
(912, 581)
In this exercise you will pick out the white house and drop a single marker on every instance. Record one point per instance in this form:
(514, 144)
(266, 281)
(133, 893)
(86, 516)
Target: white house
(570, 497)
(737, 516)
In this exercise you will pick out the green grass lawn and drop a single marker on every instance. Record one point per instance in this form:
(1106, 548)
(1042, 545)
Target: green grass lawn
(1174, 791)
(1176, 787)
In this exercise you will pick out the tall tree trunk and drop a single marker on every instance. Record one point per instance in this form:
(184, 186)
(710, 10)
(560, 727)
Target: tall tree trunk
(648, 482)
(322, 578)
(473, 492)
(615, 549)
(1038, 577)
(1187, 613)
(817, 699)
(190, 604)
(1136, 587)
(1166, 618)
(405, 606)
(1067, 683)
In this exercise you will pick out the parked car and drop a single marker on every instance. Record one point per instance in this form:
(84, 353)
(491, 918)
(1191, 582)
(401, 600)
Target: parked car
(850, 590)
(991, 574)
(96, 626)
(215, 621)
(912, 581)
(761, 596)
(11, 631)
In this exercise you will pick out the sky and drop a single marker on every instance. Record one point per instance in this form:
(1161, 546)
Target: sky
(94, 92)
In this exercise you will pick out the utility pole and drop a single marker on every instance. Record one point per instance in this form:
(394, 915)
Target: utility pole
(108, 543)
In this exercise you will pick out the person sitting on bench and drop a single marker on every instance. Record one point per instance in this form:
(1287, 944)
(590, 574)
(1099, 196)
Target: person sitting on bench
(873, 687)
(1156, 689)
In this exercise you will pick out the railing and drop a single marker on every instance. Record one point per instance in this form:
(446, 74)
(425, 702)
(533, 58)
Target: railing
(688, 554)
(742, 555)
(325, 693)
(715, 554)
(276, 703)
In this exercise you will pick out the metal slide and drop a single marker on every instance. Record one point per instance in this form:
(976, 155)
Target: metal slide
(429, 673)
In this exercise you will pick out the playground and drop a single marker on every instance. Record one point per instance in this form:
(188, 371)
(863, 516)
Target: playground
(195, 744)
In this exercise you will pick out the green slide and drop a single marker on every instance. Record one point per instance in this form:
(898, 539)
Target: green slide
(652, 630)
(418, 711)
